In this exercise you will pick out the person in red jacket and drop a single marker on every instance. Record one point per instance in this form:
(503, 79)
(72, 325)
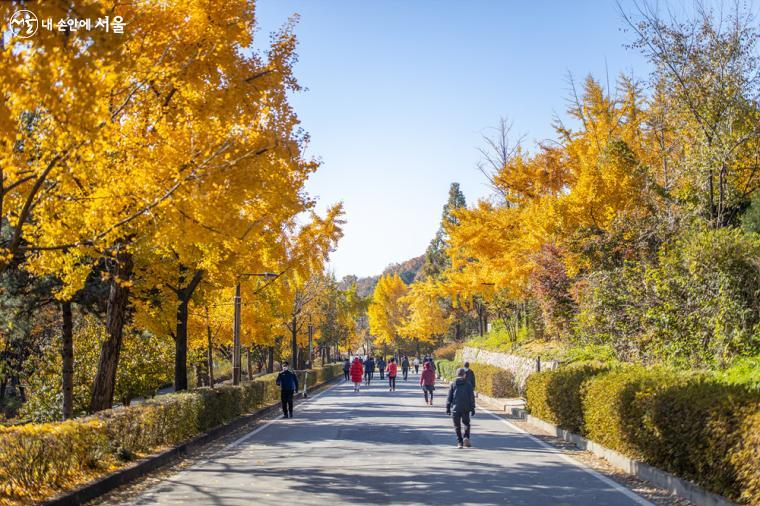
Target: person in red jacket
(392, 371)
(357, 373)
(427, 382)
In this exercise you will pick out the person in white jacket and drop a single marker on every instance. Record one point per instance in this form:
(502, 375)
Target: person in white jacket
(416, 365)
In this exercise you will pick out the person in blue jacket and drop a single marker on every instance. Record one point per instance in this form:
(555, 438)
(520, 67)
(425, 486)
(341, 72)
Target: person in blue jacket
(287, 380)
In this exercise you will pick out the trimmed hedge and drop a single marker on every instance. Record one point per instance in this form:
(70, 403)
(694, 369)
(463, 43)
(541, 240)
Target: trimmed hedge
(446, 369)
(555, 396)
(36, 460)
(489, 380)
(688, 424)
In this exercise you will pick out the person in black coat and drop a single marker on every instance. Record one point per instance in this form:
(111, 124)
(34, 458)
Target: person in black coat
(288, 383)
(381, 367)
(460, 404)
(346, 369)
(405, 367)
(369, 370)
(469, 375)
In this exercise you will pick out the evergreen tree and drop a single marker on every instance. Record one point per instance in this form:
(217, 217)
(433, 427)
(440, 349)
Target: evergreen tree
(436, 259)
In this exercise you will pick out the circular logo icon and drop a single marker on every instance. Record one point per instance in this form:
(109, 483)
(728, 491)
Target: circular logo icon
(24, 24)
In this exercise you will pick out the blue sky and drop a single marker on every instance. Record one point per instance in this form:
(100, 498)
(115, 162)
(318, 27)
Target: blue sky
(401, 92)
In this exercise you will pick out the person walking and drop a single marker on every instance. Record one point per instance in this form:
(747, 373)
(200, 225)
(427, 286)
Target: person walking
(432, 364)
(381, 367)
(346, 369)
(469, 375)
(416, 364)
(369, 369)
(460, 404)
(392, 371)
(356, 373)
(288, 383)
(427, 382)
(405, 367)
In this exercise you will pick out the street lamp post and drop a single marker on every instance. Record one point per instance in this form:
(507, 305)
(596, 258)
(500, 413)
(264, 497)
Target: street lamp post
(237, 302)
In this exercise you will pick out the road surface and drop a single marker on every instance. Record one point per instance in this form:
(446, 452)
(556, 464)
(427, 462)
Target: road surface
(379, 447)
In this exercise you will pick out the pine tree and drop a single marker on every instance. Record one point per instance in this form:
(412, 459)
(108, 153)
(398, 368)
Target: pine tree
(436, 260)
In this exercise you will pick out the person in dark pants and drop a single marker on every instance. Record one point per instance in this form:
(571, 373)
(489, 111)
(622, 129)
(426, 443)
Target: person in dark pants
(346, 369)
(288, 383)
(405, 367)
(460, 404)
(427, 382)
(369, 370)
(381, 367)
(392, 371)
(469, 375)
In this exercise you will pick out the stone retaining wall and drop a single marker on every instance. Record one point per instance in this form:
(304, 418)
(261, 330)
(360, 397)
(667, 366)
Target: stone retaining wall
(521, 367)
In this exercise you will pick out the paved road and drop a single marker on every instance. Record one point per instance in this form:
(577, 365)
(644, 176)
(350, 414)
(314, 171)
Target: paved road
(378, 447)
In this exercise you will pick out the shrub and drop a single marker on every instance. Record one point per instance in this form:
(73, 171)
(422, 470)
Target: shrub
(689, 424)
(145, 363)
(697, 305)
(489, 380)
(446, 369)
(613, 412)
(746, 459)
(494, 381)
(447, 352)
(698, 427)
(38, 459)
(555, 396)
(41, 457)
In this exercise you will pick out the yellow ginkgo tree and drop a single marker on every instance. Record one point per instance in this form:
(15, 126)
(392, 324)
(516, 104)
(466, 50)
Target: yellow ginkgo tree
(387, 311)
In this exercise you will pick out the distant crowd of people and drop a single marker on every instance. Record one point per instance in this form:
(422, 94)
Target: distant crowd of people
(460, 401)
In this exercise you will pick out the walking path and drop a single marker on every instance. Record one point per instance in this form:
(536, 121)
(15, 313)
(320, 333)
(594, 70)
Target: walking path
(379, 447)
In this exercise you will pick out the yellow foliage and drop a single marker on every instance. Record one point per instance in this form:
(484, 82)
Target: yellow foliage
(426, 318)
(387, 311)
(593, 177)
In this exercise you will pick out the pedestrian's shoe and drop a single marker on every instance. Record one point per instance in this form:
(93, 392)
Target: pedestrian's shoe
(285, 415)
(459, 445)
(467, 443)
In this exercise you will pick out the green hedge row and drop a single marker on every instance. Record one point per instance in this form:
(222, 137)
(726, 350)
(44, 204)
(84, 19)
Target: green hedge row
(37, 460)
(489, 380)
(685, 423)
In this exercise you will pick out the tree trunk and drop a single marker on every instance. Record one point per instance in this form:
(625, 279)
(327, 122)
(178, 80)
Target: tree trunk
(21, 389)
(116, 314)
(180, 348)
(294, 342)
(250, 364)
(209, 354)
(270, 359)
(201, 379)
(184, 294)
(3, 384)
(67, 354)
